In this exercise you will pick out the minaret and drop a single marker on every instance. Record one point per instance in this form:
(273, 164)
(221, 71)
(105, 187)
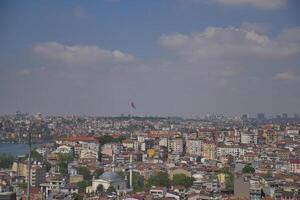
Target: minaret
(130, 172)
(29, 166)
(113, 163)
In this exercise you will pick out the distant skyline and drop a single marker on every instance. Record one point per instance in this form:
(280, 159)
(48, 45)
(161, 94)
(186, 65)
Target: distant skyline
(127, 115)
(169, 57)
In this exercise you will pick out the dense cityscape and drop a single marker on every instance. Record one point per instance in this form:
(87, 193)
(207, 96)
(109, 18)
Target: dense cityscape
(133, 158)
(150, 100)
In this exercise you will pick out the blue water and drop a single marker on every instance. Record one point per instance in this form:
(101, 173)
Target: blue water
(14, 149)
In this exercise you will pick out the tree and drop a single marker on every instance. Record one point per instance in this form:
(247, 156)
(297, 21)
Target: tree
(63, 167)
(104, 139)
(229, 179)
(111, 189)
(22, 185)
(248, 169)
(6, 161)
(137, 182)
(63, 160)
(182, 180)
(122, 174)
(159, 179)
(82, 185)
(85, 172)
(123, 137)
(98, 172)
(65, 157)
(224, 170)
(76, 196)
(100, 188)
(229, 182)
(36, 156)
(48, 166)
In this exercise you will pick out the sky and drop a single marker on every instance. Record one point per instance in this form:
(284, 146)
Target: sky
(169, 57)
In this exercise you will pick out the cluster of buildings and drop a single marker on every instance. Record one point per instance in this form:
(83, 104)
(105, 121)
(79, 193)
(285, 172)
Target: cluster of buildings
(226, 158)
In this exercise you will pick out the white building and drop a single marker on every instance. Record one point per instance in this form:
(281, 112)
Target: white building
(52, 186)
(81, 142)
(235, 151)
(248, 138)
(164, 142)
(158, 192)
(63, 149)
(88, 153)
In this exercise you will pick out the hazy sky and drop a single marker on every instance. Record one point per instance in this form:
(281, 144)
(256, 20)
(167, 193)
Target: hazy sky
(170, 57)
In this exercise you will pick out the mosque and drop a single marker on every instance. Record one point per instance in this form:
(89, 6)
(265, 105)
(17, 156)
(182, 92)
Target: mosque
(111, 178)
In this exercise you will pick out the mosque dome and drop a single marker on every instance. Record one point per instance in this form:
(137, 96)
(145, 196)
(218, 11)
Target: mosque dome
(110, 176)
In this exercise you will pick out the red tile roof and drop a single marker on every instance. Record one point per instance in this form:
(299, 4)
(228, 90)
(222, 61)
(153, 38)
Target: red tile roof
(81, 138)
(295, 161)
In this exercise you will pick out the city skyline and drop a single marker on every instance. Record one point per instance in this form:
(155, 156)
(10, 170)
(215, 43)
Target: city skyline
(170, 57)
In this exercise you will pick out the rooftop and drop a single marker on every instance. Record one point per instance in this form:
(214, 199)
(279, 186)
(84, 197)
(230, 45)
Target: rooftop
(81, 138)
(110, 176)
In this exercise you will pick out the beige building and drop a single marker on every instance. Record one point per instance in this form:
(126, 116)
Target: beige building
(209, 151)
(177, 145)
(294, 166)
(193, 147)
(128, 143)
(20, 169)
(88, 153)
(38, 172)
(76, 178)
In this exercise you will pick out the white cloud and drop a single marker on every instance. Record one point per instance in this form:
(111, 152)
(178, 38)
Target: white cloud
(80, 54)
(265, 4)
(213, 70)
(256, 27)
(232, 44)
(287, 76)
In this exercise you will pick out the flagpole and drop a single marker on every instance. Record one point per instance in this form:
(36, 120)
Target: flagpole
(131, 113)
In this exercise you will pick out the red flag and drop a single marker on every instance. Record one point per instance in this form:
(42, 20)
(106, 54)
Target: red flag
(132, 105)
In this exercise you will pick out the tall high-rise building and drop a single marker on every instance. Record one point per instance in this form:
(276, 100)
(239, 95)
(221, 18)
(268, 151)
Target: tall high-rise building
(284, 115)
(260, 116)
(244, 117)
